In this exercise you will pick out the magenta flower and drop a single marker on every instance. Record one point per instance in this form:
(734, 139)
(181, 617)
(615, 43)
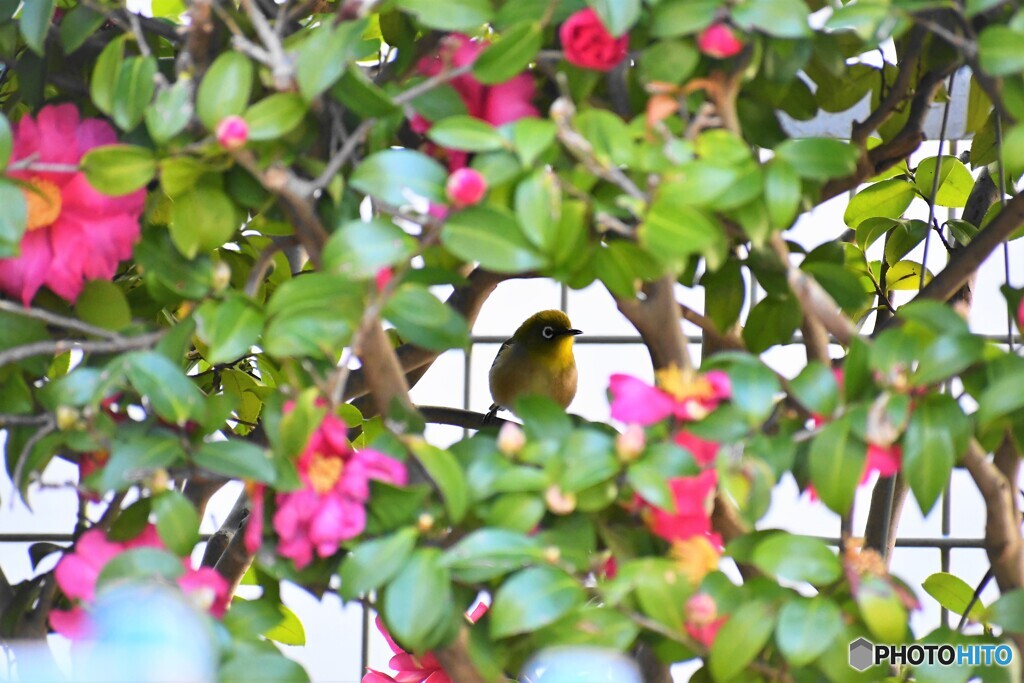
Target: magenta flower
(694, 500)
(331, 507)
(74, 233)
(207, 589)
(703, 451)
(77, 572)
(587, 43)
(232, 132)
(465, 187)
(687, 395)
(702, 620)
(719, 41)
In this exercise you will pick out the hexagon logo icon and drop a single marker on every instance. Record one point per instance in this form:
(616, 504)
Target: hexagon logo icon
(862, 654)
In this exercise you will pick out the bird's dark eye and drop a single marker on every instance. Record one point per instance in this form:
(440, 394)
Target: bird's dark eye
(548, 332)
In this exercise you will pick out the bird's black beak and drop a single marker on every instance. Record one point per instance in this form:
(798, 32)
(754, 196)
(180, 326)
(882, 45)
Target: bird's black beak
(572, 332)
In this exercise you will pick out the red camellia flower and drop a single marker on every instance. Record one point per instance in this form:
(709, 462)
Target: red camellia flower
(719, 41)
(694, 499)
(587, 43)
(74, 233)
(465, 187)
(496, 104)
(687, 395)
(331, 506)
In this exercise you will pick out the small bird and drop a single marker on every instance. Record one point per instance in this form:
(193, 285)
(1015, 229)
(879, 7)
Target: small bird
(536, 360)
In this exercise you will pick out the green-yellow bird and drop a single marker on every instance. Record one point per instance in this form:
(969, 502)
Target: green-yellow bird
(538, 360)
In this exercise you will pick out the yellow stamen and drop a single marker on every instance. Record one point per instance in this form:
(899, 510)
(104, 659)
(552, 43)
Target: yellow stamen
(684, 385)
(324, 472)
(696, 557)
(43, 201)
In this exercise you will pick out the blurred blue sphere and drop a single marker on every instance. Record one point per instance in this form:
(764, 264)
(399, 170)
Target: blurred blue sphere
(572, 664)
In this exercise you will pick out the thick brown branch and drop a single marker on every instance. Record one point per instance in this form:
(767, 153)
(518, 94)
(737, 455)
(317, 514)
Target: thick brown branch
(456, 662)
(457, 417)
(384, 374)
(656, 318)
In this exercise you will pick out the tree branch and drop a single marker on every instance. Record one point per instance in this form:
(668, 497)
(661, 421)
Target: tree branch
(58, 320)
(43, 348)
(455, 660)
(656, 318)
(457, 417)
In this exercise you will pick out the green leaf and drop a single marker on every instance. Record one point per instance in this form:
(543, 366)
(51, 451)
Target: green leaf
(177, 522)
(682, 17)
(533, 598)
(1008, 612)
(882, 609)
(955, 181)
(797, 558)
(740, 639)
(538, 208)
(371, 564)
(274, 116)
(417, 600)
(618, 16)
(782, 190)
(36, 17)
(225, 89)
(140, 563)
(398, 175)
(13, 218)
(444, 470)
(132, 458)
(451, 15)
(489, 553)
(466, 133)
(999, 52)
(171, 393)
(102, 303)
(103, 83)
(754, 388)
(947, 356)
(6, 142)
(289, 631)
(361, 95)
(202, 219)
(806, 629)
(135, 87)
(78, 25)
(836, 464)
(118, 169)
(260, 667)
(491, 237)
(509, 56)
(170, 112)
(929, 450)
(816, 389)
(779, 18)
(422, 319)
(589, 460)
(724, 294)
(324, 56)
(360, 249)
(229, 328)
(1001, 397)
(531, 137)
(312, 315)
(819, 158)
(673, 231)
(888, 199)
(669, 61)
(772, 321)
(236, 459)
(954, 594)
(180, 174)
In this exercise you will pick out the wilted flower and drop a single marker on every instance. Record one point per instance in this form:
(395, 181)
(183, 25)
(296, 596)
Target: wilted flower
(587, 43)
(73, 233)
(687, 395)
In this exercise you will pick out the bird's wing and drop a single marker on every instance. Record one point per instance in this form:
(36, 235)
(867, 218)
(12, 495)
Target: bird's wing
(504, 347)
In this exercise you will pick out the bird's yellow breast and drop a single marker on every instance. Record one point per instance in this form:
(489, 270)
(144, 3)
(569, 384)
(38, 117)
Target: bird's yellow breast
(518, 371)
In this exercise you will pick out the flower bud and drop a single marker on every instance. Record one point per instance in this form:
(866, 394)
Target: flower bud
(232, 132)
(425, 522)
(630, 443)
(221, 277)
(558, 501)
(382, 278)
(719, 41)
(158, 481)
(552, 554)
(465, 187)
(511, 439)
(701, 610)
(67, 418)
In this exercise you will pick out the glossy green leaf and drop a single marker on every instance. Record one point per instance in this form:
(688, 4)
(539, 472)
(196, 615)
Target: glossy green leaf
(422, 319)
(103, 83)
(819, 158)
(531, 137)
(274, 116)
(170, 112)
(252, 667)
(778, 18)
(77, 25)
(491, 237)
(466, 133)
(202, 219)
(13, 218)
(444, 470)
(399, 175)
(772, 321)
(509, 56)
(999, 52)
(133, 458)
(669, 61)
(882, 609)
(452, 15)
(289, 631)
(225, 88)
(361, 248)
(955, 181)
(177, 522)
(618, 16)
(140, 564)
(929, 449)
(673, 232)
(740, 639)
(229, 328)
(417, 600)
(486, 554)
(953, 593)
(236, 459)
(888, 198)
(806, 629)
(118, 169)
(102, 303)
(782, 189)
(797, 558)
(1008, 611)
(373, 563)
(816, 389)
(36, 17)
(174, 397)
(135, 88)
(324, 56)
(6, 142)
(533, 598)
(836, 464)
(682, 17)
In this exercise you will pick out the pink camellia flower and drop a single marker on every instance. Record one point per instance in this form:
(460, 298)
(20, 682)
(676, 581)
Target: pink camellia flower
(79, 570)
(694, 500)
(1020, 315)
(702, 620)
(587, 43)
(719, 41)
(232, 132)
(703, 451)
(382, 278)
(73, 233)
(687, 395)
(330, 508)
(465, 187)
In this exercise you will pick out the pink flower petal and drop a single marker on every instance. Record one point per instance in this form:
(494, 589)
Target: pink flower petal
(254, 523)
(703, 452)
(74, 624)
(23, 275)
(635, 401)
(374, 676)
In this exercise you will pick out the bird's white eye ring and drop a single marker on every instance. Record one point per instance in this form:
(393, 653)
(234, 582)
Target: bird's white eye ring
(548, 332)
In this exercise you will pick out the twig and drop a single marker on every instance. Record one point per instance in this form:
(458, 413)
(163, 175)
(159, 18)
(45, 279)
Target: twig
(723, 341)
(656, 319)
(23, 420)
(58, 320)
(262, 265)
(456, 417)
(19, 353)
(898, 91)
(281, 66)
(46, 429)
